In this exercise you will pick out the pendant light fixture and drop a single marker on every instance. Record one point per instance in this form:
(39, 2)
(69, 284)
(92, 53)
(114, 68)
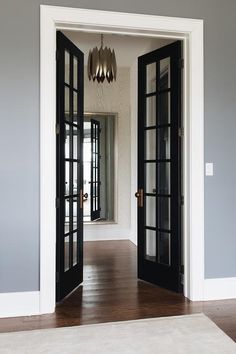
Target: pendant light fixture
(102, 64)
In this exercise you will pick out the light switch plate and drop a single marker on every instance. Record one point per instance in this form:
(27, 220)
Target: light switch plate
(209, 169)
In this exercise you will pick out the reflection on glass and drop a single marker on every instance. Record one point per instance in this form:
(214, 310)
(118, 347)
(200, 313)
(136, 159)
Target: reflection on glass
(75, 211)
(163, 150)
(164, 249)
(75, 181)
(163, 209)
(67, 215)
(66, 252)
(67, 103)
(151, 78)
(150, 111)
(67, 67)
(66, 222)
(164, 108)
(150, 142)
(75, 248)
(163, 178)
(75, 143)
(75, 106)
(150, 211)
(67, 141)
(75, 63)
(150, 177)
(164, 79)
(150, 246)
(67, 181)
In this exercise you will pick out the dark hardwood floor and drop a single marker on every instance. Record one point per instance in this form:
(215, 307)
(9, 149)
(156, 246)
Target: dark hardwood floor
(111, 292)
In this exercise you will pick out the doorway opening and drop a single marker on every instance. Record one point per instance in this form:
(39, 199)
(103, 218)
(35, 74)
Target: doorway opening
(149, 72)
(191, 32)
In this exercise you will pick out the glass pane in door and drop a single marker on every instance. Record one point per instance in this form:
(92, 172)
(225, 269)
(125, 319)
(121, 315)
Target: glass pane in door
(150, 111)
(150, 203)
(150, 245)
(150, 138)
(164, 78)
(164, 248)
(151, 78)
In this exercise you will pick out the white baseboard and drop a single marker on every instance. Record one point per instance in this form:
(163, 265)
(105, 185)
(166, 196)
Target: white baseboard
(219, 289)
(28, 303)
(19, 304)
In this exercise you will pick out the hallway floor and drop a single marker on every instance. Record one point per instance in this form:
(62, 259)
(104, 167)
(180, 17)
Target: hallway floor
(111, 292)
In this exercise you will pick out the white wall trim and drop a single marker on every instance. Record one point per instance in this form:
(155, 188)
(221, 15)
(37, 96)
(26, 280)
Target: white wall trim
(191, 31)
(219, 289)
(19, 304)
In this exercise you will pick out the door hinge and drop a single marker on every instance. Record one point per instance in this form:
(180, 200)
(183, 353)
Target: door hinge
(57, 54)
(181, 63)
(57, 277)
(181, 132)
(181, 270)
(182, 200)
(57, 129)
(57, 202)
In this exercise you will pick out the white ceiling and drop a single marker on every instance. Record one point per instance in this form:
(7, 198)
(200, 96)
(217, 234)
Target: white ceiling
(127, 48)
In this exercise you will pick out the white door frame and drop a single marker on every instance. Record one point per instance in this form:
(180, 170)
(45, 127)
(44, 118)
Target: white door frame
(191, 32)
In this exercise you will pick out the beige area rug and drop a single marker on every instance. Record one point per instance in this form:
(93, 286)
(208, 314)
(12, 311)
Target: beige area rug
(173, 335)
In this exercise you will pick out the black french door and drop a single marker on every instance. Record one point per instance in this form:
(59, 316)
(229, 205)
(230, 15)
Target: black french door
(159, 167)
(95, 170)
(70, 96)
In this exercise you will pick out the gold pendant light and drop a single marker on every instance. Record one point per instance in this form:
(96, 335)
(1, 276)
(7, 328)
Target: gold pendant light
(102, 64)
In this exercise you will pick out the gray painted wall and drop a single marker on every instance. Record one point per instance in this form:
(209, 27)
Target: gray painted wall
(19, 143)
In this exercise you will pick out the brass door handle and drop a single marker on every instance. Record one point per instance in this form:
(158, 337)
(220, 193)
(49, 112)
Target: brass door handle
(139, 196)
(82, 197)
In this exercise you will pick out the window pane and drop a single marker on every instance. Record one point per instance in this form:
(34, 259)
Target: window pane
(67, 103)
(75, 72)
(67, 67)
(163, 213)
(67, 181)
(67, 220)
(164, 108)
(75, 143)
(164, 79)
(163, 178)
(163, 151)
(150, 178)
(150, 111)
(150, 153)
(75, 106)
(75, 248)
(66, 252)
(164, 249)
(150, 211)
(151, 78)
(75, 181)
(150, 245)
(75, 209)
(67, 141)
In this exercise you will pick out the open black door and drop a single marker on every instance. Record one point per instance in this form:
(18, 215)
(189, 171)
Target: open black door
(95, 170)
(70, 96)
(159, 167)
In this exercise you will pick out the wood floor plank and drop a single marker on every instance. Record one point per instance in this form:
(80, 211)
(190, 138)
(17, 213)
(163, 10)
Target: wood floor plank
(111, 292)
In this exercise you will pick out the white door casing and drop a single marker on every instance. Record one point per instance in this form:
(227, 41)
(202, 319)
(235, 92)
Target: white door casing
(190, 31)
